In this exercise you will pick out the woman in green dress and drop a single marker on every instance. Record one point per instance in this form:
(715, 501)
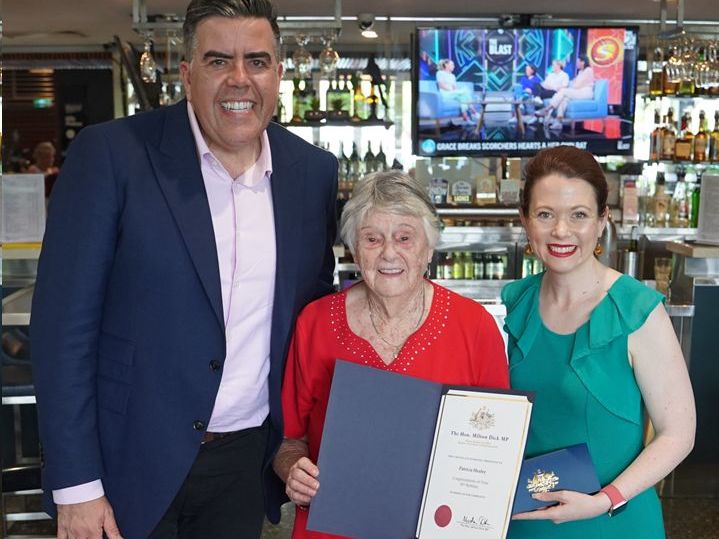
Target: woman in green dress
(598, 349)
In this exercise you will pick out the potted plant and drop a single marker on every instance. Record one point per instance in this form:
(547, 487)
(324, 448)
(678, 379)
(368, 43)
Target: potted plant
(314, 114)
(337, 114)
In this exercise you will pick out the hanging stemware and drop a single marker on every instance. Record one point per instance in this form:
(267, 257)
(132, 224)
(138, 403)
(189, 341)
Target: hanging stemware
(329, 57)
(148, 66)
(302, 57)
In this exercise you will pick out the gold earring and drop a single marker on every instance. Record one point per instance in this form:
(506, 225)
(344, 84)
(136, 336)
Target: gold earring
(528, 251)
(598, 250)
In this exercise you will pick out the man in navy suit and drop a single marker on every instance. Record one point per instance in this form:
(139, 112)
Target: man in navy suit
(180, 246)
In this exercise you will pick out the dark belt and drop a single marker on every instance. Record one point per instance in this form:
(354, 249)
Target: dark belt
(214, 436)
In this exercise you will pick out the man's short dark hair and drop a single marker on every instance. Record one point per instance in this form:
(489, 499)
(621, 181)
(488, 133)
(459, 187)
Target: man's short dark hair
(198, 10)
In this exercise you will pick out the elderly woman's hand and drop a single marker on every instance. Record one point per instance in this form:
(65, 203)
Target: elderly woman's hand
(302, 481)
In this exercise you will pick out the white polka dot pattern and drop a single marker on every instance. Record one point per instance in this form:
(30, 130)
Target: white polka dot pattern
(420, 341)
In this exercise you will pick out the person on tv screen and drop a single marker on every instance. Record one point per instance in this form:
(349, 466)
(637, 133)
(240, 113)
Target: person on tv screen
(555, 80)
(582, 87)
(598, 350)
(530, 79)
(448, 87)
(524, 90)
(395, 320)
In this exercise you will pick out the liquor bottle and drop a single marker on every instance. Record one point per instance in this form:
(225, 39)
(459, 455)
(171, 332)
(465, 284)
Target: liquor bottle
(714, 140)
(669, 87)
(297, 101)
(355, 165)
(684, 143)
(345, 92)
(679, 205)
(701, 139)
(372, 103)
(668, 136)
(444, 270)
(656, 82)
(694, 203)
(500, 266)
(370, 164)
(360, 103)
(309, 95)
(478, 262)
(280, 113)
(468, 266)
(380, 160)
(655, 141)
(330, 94)
(661, 202)
(686, 87)
(457, 266)
(344, 173)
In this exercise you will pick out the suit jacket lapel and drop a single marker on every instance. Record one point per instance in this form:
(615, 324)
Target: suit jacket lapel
(288, 181)
(178, 172)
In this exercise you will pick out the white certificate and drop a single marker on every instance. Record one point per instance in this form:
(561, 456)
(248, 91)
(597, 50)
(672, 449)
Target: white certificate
(474, 466)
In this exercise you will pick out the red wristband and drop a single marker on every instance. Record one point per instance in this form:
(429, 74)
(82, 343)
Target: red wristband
(615, 497)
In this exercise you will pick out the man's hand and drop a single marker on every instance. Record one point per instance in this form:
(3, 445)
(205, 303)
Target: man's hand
(87, 520)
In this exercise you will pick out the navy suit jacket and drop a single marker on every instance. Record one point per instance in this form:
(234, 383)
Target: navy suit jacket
(127, 309)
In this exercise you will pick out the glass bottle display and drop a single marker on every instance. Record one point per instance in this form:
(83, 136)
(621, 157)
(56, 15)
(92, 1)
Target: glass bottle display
(714, 140)
(661, 202)
(684, 144)
(679, 205)
(694, 203)
(298, 101)
(701, 140)
(380, 159)
(370, 164)
(655, 145)
(668, 136)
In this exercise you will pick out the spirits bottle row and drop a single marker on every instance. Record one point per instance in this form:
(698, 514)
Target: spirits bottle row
(344, 98)
(354, 167)
(471, 266)
(675, 208)
(666, 143)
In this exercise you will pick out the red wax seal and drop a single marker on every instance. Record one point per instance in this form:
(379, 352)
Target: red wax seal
(442, 516)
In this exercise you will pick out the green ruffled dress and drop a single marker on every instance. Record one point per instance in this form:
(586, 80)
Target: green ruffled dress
(585, 392)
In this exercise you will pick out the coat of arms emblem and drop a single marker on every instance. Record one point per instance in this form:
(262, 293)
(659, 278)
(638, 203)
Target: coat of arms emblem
(542, 482)
(482, 419)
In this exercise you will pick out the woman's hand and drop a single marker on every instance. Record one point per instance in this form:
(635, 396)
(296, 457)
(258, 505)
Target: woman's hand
(572, 506)
(302, 484)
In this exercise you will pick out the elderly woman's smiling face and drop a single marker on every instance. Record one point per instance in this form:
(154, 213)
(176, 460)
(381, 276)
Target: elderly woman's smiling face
(392, 252)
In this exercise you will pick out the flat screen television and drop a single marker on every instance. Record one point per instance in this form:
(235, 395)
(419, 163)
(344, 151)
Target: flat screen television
(514, 91)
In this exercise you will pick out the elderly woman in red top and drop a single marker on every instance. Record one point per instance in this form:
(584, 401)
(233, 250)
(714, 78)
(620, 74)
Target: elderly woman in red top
(394, 319)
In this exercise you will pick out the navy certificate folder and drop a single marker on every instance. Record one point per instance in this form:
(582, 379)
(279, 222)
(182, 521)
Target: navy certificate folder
(570, 468)
(374, 463)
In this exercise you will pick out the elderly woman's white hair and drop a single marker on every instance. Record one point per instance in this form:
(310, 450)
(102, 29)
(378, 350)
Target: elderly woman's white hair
(394, 192)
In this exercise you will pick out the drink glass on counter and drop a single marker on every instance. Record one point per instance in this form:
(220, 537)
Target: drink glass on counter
(662, 274)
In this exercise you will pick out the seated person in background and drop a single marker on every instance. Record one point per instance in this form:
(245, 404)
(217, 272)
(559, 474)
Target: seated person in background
(582, 87)
(394, 320)
(447, 85)
(44, 159)
(555, 80)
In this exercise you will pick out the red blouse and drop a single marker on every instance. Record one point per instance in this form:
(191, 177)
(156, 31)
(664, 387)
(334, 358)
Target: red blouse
(458, 343)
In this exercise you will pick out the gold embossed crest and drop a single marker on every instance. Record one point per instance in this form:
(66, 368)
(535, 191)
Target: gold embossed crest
(482, 419)
(542, 482)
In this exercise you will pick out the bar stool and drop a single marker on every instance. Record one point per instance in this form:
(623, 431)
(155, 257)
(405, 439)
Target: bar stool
(20, 479)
